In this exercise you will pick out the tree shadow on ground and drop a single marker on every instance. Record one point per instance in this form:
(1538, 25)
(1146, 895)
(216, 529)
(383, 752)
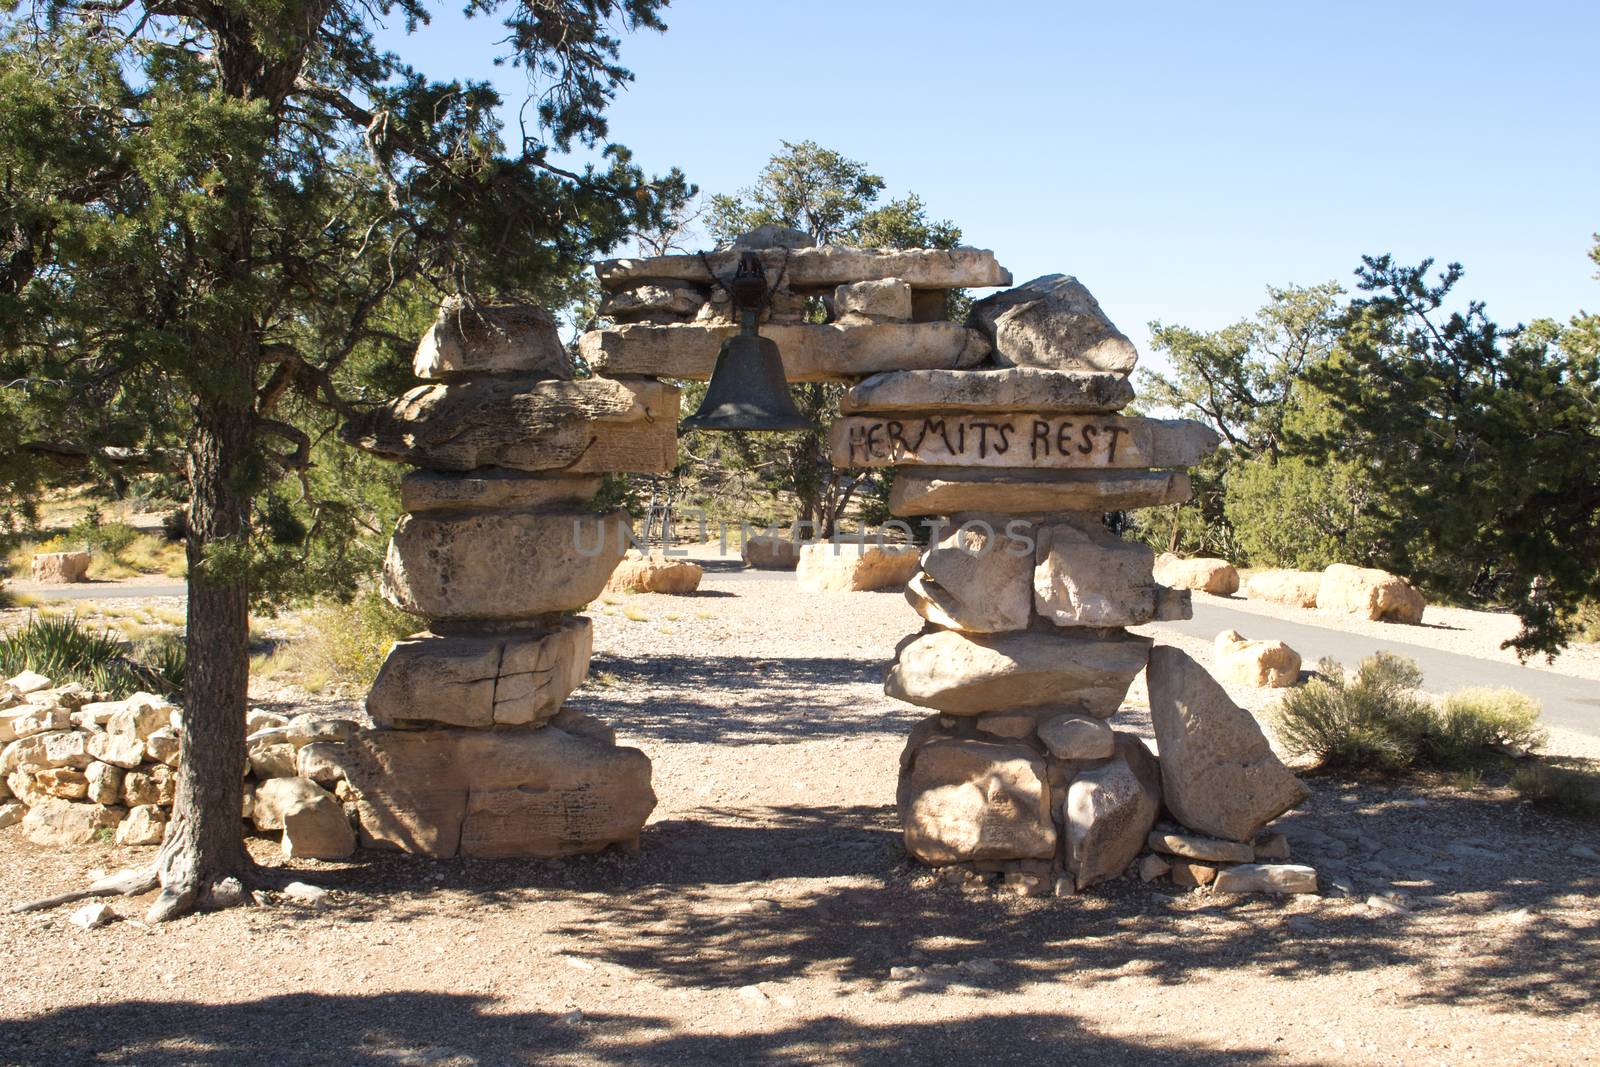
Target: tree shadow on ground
(449, 1030)
(731, 898)
(743, 699)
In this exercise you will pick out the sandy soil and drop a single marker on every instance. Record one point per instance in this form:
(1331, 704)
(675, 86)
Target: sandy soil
(771, 916)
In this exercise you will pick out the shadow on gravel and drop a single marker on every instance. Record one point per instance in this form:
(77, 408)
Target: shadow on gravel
(742, 698)
(445, 1030)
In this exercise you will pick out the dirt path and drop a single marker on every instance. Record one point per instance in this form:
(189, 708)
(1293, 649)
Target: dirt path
(772, 918)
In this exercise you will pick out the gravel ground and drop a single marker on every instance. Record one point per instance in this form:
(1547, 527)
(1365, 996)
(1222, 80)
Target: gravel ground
(771, 916)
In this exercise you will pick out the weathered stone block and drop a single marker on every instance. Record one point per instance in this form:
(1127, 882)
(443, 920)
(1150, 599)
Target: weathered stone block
(1029, 440)
(1218, 772)
(491, 490)
(1296, 588)
(1008, 389)
(1215, 576)
(976, 577)
(639, 573)
(503, 679)
(1108, 810)
(771, 553)
(825, 567)
(61, 567)
(1371, 593)
(1086, 575)
(811, 353)
(1053, 321)
(966, 800)
(878, 300)
(501, 565)
(62, 822)
(595, 426)
(497, 793)
(949, 490)
(970, 674)
(1260, 664)
(489, 338)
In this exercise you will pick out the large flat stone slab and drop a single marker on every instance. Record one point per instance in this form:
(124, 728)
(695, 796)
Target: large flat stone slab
(969, 674)
(488, 794)
(1053, 321)
(1031, 440)
(481, 681)
(824, 267)
(595, 426)
(811, 353)
(949, 490)
(1218, 773)
(501, 566)
(1005, 389)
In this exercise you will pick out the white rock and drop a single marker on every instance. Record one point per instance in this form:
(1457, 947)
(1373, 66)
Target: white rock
(1266, 878)
(1258, 664)
(1108, 810)
(976, 577)
(145, 825)
(29, 682)
(104, 782)
(30, 719)
(971, 800)
(58, 748)
(277, 795)
(305, 893)
(163, 747)
(93, 916)
(1210, 849)
(965, 674)
(1088, 576)
(316, 827)
(123, 750)
(837, 568)
(272, 760)
(492, 338)
(63, 822)
(140, 716)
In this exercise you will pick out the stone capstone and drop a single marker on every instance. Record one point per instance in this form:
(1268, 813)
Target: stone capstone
(1370, 593)
(1088, 576)
(1053, 321)
(480, 681)
(497, 793)
(1259, 664)
(473, 337)
(964, 674)
(1215, 576)
(1296, 588)
(595, 426)
(811, 353)
(820, 268)
(1008, 389)
(966, 800)
(1219, 775)
(949, 490)
(845, 567)
(1108, 811)
(502, 565)
(975, 577)
(491, 490)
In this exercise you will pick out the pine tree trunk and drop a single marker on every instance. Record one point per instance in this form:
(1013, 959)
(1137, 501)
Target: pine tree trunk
(203, 862)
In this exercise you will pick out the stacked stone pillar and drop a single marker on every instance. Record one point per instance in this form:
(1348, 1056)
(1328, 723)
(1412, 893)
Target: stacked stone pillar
(473, 753)
(1025, 659)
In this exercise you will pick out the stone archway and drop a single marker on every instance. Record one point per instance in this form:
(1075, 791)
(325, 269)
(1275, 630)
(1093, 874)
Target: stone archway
(1009, 437)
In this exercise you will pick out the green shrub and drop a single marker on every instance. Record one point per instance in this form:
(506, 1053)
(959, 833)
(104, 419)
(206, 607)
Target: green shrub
(65, 651)
(348, 642)
(1561, 789)
(1374, 721)
(1477, 722)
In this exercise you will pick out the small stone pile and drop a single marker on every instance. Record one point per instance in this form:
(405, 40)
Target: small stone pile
(1013, 461)
(77, 767)
(473, 753)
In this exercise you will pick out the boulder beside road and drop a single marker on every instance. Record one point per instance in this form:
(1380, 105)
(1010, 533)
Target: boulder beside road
(1215, 576)
(1371, 593)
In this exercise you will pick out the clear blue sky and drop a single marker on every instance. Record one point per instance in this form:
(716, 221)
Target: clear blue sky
(1176, 157)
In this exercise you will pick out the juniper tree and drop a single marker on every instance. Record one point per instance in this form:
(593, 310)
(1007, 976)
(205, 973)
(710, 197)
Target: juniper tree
(210, 208)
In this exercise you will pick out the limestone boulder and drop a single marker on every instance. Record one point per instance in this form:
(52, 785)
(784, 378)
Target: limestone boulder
(1276, 878)
(308, 728)
(491, 490)
(145, 825)
(508, 679)
(502, 565)
(321, 761)
(1005, 389)
(163, 747)
(976, 576)
(878, 300)
(11, 813)
(272, 760)
(1218, 773)
(497, 793)
(948, 491)
(57, 748)
(1258, 664)
(60, 823)
(104, 782)
(28, 682)
(1085, 575)
(1370, 593)
(593, 426)
(968, 674)
(25, 720)
(478, 337)
(68, 783)
(638, 573)
(1215, 576)
(61, 567)
(766, 553)
(818, 267)
(963, 800)
(1189, 846)
(811, 352)
(316, 827)
(846, 567)
(140, 716)
(1108, 811)
(1054, 322)
(1077, 737)
(654, 302)
(276, 796)
(1295, 588)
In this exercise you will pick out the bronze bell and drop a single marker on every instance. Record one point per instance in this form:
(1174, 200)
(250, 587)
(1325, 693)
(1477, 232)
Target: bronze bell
(747, 390)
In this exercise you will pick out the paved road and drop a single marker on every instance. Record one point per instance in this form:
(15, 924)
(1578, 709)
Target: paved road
(99, 590)
(1572, 703)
